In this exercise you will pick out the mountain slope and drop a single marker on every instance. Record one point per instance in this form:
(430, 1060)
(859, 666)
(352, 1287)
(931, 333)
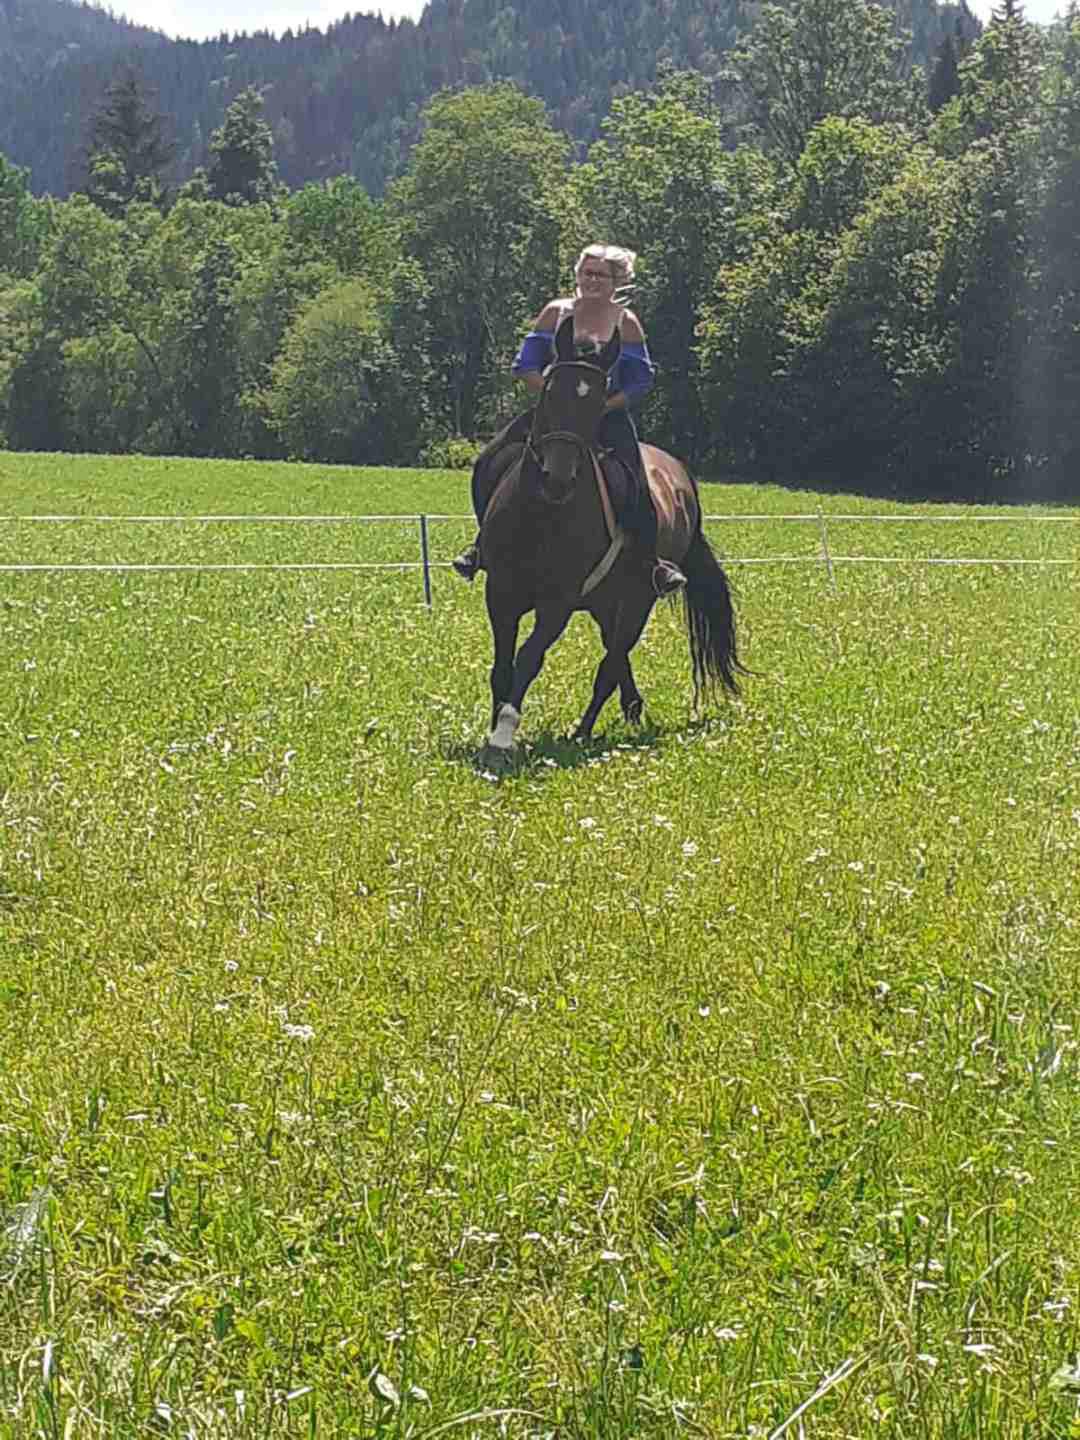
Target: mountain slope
(347, 100)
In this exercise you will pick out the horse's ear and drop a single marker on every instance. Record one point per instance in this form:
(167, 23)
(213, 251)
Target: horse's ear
(610, 353)
(564, 339)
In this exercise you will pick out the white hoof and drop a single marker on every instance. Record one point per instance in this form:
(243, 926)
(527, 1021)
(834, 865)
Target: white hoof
(502, 736)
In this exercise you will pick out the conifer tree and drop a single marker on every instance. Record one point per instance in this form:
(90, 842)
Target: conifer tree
(242, 169)
(945, 76)
(128, 152)
(987, 265)
(1053, 380)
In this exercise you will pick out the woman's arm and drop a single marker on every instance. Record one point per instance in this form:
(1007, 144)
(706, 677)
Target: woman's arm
(630, 329)
(535, 354)
(635, 373)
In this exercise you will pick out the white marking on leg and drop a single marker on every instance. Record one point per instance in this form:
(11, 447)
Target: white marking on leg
(502, 737)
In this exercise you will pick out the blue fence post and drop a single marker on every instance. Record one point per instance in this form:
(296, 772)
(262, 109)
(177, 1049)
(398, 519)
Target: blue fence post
(426, 560)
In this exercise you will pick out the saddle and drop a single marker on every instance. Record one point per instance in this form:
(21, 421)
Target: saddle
(615, 481)
(500, 463)
(606, 467)
(621, 482)
(659, 490)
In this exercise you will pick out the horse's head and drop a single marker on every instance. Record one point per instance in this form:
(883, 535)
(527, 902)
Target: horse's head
(568, 412)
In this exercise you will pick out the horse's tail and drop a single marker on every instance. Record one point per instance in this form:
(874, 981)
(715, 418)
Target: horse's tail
(710, 620)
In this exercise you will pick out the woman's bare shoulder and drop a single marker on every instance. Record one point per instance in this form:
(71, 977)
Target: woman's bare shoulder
(630, 328)
(551, 314)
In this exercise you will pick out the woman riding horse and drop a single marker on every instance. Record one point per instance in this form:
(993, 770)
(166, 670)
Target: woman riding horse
(603, 275)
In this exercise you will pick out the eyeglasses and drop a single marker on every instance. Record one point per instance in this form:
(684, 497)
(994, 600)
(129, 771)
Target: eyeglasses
(596, 275)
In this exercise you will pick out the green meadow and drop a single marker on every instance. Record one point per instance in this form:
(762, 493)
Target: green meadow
(715, 1079)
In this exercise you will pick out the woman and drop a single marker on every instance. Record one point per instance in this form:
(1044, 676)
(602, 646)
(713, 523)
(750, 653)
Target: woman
(603, 275)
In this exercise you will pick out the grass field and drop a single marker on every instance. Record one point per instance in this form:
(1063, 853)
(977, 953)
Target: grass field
(667, 1086)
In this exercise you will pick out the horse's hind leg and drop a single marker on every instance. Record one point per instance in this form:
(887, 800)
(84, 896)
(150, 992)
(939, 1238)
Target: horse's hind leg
(633, 703)
(621, 634)
(607, 677)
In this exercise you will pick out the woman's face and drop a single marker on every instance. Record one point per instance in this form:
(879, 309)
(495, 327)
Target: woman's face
(595, 279)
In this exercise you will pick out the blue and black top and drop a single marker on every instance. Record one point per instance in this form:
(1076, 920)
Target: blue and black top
(634, 373)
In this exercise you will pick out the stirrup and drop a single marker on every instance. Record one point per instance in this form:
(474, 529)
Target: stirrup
(667, 578)
(467, 563)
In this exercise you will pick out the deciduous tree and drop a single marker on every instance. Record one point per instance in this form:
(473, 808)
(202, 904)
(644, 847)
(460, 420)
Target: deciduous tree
(807, 59)
(480, 209)
(24, 221)
(662, 183)
(338, 220)
(323, 399)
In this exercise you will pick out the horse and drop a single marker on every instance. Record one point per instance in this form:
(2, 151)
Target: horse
(548, 546)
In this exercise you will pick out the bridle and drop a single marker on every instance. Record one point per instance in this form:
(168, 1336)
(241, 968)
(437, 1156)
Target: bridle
(534, 442)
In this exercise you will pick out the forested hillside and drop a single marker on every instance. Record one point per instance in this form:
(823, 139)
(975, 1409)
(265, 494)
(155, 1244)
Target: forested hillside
(847, 269)
(347, 101)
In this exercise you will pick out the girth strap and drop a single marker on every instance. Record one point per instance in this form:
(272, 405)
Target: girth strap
(616, 535)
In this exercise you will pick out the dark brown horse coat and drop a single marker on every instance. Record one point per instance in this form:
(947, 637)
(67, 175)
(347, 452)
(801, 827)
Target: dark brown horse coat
(544, 533)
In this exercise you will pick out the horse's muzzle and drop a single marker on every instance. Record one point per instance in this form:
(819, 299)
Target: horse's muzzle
(558, 490)
(560, 465)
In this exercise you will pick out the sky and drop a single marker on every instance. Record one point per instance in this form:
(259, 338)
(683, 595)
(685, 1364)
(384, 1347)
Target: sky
(205, 19)
(201, 19)
(1040, 11)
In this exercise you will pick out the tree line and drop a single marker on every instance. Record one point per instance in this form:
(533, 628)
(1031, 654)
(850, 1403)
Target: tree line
(348, 99)
(847, 272)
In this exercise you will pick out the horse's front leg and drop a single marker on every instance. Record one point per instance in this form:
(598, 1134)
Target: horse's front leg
(551, 621)
(505, 621)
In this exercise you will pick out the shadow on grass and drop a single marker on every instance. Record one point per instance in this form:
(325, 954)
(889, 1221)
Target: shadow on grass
(548, 753)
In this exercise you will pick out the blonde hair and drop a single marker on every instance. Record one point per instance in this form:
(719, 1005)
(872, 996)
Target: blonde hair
(620, 259)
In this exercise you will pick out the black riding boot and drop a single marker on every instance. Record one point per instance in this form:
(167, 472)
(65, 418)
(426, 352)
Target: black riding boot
(618, 432)
(667, 578)
(468, 562)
